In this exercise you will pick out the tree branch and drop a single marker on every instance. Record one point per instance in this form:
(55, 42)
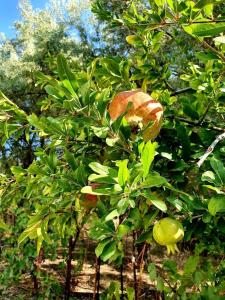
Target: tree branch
(219, 54)
(205, 113)
(210, 149)
(178, 92)
(196, 123)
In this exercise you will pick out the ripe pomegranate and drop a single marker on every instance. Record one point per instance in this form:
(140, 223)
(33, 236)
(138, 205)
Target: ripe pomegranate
(167, 232)
(144, 110)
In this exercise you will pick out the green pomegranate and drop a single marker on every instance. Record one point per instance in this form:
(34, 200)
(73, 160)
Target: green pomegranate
(167, 232)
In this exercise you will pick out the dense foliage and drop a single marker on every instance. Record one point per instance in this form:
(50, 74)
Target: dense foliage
(174, 51)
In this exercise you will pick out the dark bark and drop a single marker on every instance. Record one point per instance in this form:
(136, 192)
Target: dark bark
(34, 273)
(97, 279)
(121, 281)
(72, 244)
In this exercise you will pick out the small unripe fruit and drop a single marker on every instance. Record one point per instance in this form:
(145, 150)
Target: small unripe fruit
(167, 232)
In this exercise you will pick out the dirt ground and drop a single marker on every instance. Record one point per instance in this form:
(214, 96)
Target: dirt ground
(82, 283)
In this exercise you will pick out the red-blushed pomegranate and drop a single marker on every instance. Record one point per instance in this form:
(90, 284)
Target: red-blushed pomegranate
(89, 201)
(167, 232)
(144, 110)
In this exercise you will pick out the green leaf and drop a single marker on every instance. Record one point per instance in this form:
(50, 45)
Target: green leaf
(160, 3)
(216, 204)
(55, 92)
(146, 236)
(152, 271)
(3, 225)
(112, 215)
(177, 203)
(205, 29)
(44, 227)
(206, 56)
(113, 292)
(51, 160)
(39, 240)
(31, 231)
(99, 169)
(171, 4)
(123, 172)
(150, 218)
(70, 159)
(191, 265)
(108, 251)
(190, 111)
(147, 156)
(135, 217)
(102, 179)
(213, 188)
(218, 168)
(101, 230)
(99, 249)
(208, 10)
(16, 170)
(88, 190)
(134, 40)
(112, 66)
(100, 132)
(160, 284)
(185, 141)
(9, 106)
(152, 198)
(211, 177)
(112, 141)
(171, 266)
(159, 204)
(123, 230)
(106, 190)
(130, 293)
(66, 75)
(203, 3)
(153, 179)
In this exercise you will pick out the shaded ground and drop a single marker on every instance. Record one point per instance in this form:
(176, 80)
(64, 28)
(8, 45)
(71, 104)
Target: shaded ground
(83, 279)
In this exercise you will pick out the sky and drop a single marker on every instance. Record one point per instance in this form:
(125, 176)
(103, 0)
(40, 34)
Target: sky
(9, 13)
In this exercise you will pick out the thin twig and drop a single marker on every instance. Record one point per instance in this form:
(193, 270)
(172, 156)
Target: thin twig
(135, 267)
(210, 149)
(141, 269)
(196, 123)
(206, 45)
(181, 91)
(205, 113)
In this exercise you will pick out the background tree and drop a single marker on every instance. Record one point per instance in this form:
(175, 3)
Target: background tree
(40, 35)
